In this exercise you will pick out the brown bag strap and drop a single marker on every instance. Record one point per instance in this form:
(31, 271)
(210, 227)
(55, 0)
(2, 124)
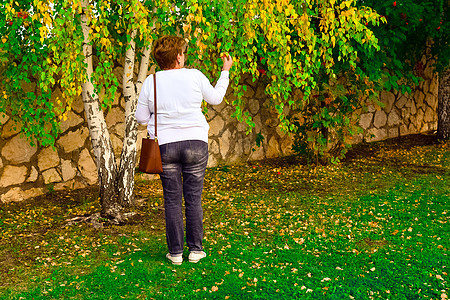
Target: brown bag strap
(156, 115)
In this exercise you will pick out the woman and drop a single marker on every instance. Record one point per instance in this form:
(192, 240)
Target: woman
(183, 139)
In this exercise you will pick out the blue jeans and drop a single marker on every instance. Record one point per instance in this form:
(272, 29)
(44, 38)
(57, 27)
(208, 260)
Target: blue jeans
(184, 166)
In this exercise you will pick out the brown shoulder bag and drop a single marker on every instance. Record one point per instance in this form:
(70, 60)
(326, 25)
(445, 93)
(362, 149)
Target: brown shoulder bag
(150, 160)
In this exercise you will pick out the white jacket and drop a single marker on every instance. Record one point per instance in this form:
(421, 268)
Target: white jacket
(179, 97)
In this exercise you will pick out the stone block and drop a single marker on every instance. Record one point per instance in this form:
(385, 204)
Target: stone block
(47, 158)
(432, 101)
(1, 163)
(412, 129)
(116, 144)
(388, 99)
(434, 86)
(216, 126)
(13, 195)
(247, 145)
(393, 119)
(258, 123)
(33, 175)
(87, 167)
(220, 107)
(412, 120)
(33, 192)
(426, 86)
(146, 177)
(393, 132)
(226, 112)
(212, 161)
(249, 93)
(241, 126)
(366, 120)
(253, 106)
(68, 185)
(224, 144)
(13, 175)
(434, 125)
(412, 106)
(258, 154)
(420, 100)
(419, 117)
(213, 147)
(273, 148)
(429, 72)
(72, 120)
(430, 115)
(18, 150)
(120, 130)
(114, 116)
(51, 176)
(235, 154)
(118, 71)
(357, 139)
(405, 114)
(416, 93)
(78, 105)
(279, 131)
(57, 95)
(401, 101)
(375, 134)
(211, 113)
(261, 92)
(67, 170)
(272, 122)
(117, 100)
(380, 119)
(3, 119)
(404, 130)
(10, 129)
(73, 140)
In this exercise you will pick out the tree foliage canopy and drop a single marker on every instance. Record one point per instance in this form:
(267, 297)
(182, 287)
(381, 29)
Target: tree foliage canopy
(42, 43)
(320, 60)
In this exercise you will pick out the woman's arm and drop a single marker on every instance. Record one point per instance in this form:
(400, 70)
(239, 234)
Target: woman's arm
(143, 112)
(214, 95)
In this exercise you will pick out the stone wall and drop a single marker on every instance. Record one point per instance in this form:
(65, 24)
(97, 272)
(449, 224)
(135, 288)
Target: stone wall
(403, 114)
(27, 171)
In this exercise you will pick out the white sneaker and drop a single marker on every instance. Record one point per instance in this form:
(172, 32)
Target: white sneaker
(195, 256)
(176, 260)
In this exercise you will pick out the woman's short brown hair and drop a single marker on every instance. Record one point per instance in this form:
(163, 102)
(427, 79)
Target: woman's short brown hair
(166, 50)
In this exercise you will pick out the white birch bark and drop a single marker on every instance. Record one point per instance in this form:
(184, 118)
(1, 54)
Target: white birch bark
(100, 138)
(128, 155)
(131, 92)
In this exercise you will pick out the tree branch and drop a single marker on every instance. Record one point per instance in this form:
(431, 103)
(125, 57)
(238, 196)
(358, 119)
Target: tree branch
(143, 68)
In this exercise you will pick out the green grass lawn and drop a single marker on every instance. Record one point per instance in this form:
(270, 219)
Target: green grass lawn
(376, 226)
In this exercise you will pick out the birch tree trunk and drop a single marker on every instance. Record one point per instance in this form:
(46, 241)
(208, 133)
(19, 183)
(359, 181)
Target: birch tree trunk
(116, 184)
(444, 105)
(100, 138)
(131, 91)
